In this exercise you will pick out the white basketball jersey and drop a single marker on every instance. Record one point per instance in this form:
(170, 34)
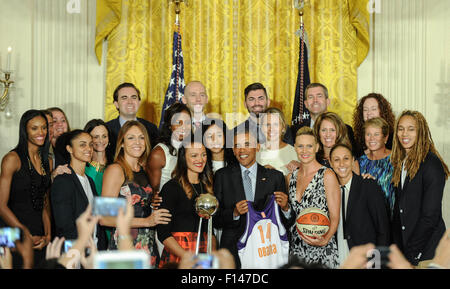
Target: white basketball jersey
(264, 244)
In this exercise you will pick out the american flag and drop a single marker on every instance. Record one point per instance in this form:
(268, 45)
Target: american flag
(175, 90)
(300, 113)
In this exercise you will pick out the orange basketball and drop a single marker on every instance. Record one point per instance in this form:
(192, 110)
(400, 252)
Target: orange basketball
(312, 221)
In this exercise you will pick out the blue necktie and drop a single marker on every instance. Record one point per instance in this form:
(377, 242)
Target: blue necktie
(248, 186)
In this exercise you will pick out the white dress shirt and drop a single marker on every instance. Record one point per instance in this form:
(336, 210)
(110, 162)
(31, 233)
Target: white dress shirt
(342, 243)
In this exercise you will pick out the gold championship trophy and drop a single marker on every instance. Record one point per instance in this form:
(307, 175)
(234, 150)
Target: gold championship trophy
(206, 206)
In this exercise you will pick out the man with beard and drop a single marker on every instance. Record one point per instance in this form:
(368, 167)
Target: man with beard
(256, 101)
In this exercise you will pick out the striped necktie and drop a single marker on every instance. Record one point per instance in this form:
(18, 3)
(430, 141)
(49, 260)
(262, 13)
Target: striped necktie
(248, 186)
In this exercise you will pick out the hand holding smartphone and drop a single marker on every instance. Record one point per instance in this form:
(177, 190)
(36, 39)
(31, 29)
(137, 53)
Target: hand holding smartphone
(8, 237)
(206, 261)
(106, 206)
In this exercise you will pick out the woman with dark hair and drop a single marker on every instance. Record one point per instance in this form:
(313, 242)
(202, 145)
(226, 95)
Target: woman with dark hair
(126, 178)
(72, 193)
(163, 158)
(218, 147)
(25, 183)
(329, 130)
(103, 153)
(419, 179)
(102, 156)
(191, 178)
(371, 106)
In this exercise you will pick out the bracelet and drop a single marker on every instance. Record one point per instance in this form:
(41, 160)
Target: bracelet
(124, 237)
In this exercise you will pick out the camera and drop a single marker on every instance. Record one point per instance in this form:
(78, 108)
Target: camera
(104, 206)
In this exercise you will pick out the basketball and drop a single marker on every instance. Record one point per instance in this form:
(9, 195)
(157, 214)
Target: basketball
(312, 221)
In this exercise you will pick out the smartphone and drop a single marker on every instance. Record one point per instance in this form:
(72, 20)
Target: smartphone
(8, 237)
(122, 260)
(68, 244)
(206, 261)
(104, 206)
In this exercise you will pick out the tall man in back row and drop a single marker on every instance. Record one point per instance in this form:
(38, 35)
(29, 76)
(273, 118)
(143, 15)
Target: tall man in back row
(317, 102)
(256, 101)
(127, 100)
(196, 99)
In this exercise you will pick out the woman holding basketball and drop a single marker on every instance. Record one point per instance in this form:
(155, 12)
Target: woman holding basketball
(313, 185)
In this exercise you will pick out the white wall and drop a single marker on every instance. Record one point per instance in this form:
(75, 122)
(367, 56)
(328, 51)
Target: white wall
(409, 63)
(54, 62)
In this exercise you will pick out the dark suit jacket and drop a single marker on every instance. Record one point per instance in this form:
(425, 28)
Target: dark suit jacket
(417, 223)
(114, 128)
(229, 189)
(367, 219)
(69, 201)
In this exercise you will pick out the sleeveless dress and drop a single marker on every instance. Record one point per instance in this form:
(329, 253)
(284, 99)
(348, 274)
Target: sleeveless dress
(171, 162)
(141, 195)
(314, 196)
(26, 200)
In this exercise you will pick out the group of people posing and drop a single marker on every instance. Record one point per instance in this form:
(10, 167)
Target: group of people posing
(380, 182)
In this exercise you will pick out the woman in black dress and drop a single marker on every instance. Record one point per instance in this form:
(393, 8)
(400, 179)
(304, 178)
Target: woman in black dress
(25, 183)
(192, 176)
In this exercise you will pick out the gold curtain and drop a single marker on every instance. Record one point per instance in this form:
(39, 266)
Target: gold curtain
(230, 44)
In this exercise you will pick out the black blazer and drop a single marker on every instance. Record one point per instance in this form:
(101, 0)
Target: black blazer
(229, 189)
(367, 219)
(114, 128)
(417, 222)
(68, 201)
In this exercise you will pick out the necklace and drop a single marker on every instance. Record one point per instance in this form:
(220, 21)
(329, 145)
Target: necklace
(201, 189)
(42, 170)
(98, 166)
(38, 191)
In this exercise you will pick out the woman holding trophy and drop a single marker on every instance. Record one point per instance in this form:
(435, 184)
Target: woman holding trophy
(191, 178)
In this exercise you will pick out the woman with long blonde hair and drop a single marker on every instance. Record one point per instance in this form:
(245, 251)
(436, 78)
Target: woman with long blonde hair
(419, 179)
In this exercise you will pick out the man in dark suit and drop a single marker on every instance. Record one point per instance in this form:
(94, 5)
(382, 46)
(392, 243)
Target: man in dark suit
(364, 214)
(127, 100)
(317, 102)
(256, 101)
(248, 181)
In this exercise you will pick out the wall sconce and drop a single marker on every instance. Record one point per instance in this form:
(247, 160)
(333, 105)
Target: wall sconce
(7, 83)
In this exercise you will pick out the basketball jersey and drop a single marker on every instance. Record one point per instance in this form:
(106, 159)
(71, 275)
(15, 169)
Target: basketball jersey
(264, 244)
